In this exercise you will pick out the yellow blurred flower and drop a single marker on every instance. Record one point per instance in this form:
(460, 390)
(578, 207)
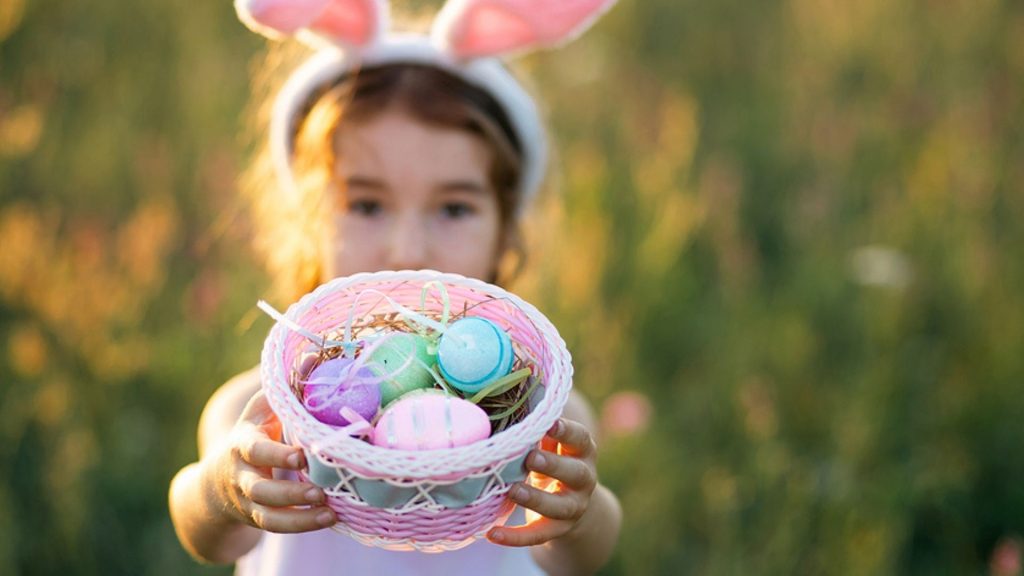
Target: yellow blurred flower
(20, 129)
(26, 349)
(11, 12)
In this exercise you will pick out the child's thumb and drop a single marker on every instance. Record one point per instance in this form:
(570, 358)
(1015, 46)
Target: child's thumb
(257, 411)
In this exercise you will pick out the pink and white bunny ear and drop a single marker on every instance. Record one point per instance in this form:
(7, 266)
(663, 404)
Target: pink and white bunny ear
(346, 22)
(476, 28)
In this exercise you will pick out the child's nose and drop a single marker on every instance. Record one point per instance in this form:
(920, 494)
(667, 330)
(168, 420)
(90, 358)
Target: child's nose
(409, 244)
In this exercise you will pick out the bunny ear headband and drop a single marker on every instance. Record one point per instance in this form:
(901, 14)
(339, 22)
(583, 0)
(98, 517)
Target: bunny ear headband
(467, 39)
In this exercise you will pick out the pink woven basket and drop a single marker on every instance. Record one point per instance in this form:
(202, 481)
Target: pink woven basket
(432, 500)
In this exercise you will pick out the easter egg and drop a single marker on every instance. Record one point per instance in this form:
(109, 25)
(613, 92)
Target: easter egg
(473, 352)
(402, 362)
(332, 386)
(430, 420)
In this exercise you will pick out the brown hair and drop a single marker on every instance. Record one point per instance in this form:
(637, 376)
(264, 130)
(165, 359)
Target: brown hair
(291, 251)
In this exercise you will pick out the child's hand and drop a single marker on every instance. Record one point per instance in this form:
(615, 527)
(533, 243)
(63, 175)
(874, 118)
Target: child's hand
(565, 469)
(241, 470)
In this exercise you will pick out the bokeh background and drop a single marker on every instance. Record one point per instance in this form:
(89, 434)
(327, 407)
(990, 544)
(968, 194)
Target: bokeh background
(787, 252)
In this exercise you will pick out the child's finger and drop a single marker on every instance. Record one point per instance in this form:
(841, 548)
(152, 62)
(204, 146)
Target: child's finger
(556, 506)
(258, 450)
(292, 520)
(532, 534)
(568, 470)
(574, 438)
(280, 492)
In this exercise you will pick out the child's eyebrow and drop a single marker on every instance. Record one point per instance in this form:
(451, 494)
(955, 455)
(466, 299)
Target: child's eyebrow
(470, 186)
(364, 182)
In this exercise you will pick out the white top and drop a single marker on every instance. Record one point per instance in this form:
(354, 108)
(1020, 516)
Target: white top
(329, 553)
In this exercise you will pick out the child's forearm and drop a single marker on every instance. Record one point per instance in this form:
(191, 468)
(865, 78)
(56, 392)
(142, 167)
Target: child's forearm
(590, 544)
(207, 530)
(210, 534)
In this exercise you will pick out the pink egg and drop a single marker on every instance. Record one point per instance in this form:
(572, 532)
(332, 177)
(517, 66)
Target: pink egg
(429, 421)
(332, 386)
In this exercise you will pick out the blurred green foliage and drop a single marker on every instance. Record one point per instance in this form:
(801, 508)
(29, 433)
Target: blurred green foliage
(796, 227)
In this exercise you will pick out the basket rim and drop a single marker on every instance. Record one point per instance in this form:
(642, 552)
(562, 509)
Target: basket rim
(422, 463)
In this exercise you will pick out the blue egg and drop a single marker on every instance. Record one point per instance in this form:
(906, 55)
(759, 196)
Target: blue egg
(473, 352)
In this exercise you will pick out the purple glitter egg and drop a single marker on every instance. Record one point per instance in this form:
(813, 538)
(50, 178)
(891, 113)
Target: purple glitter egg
(332, 386)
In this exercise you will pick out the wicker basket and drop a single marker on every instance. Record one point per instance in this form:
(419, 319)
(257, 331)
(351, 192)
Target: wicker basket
(432, 500)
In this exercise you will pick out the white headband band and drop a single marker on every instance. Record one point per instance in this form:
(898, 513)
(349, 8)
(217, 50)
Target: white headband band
(466, 38)
(487, 74)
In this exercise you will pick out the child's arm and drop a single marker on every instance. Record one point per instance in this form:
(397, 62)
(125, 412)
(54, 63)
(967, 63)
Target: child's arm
(579, 519)
(219, 503)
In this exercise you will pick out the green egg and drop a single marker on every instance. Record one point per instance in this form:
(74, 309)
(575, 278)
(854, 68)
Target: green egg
(390, 361)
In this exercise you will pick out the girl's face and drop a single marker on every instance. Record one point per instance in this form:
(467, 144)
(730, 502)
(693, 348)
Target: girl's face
(410, 196)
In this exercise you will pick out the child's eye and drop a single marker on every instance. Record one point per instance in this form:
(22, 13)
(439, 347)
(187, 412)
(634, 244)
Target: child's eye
(365, 207)
(457, 210)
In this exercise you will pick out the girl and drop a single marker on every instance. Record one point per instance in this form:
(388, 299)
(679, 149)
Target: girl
(396, 153)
